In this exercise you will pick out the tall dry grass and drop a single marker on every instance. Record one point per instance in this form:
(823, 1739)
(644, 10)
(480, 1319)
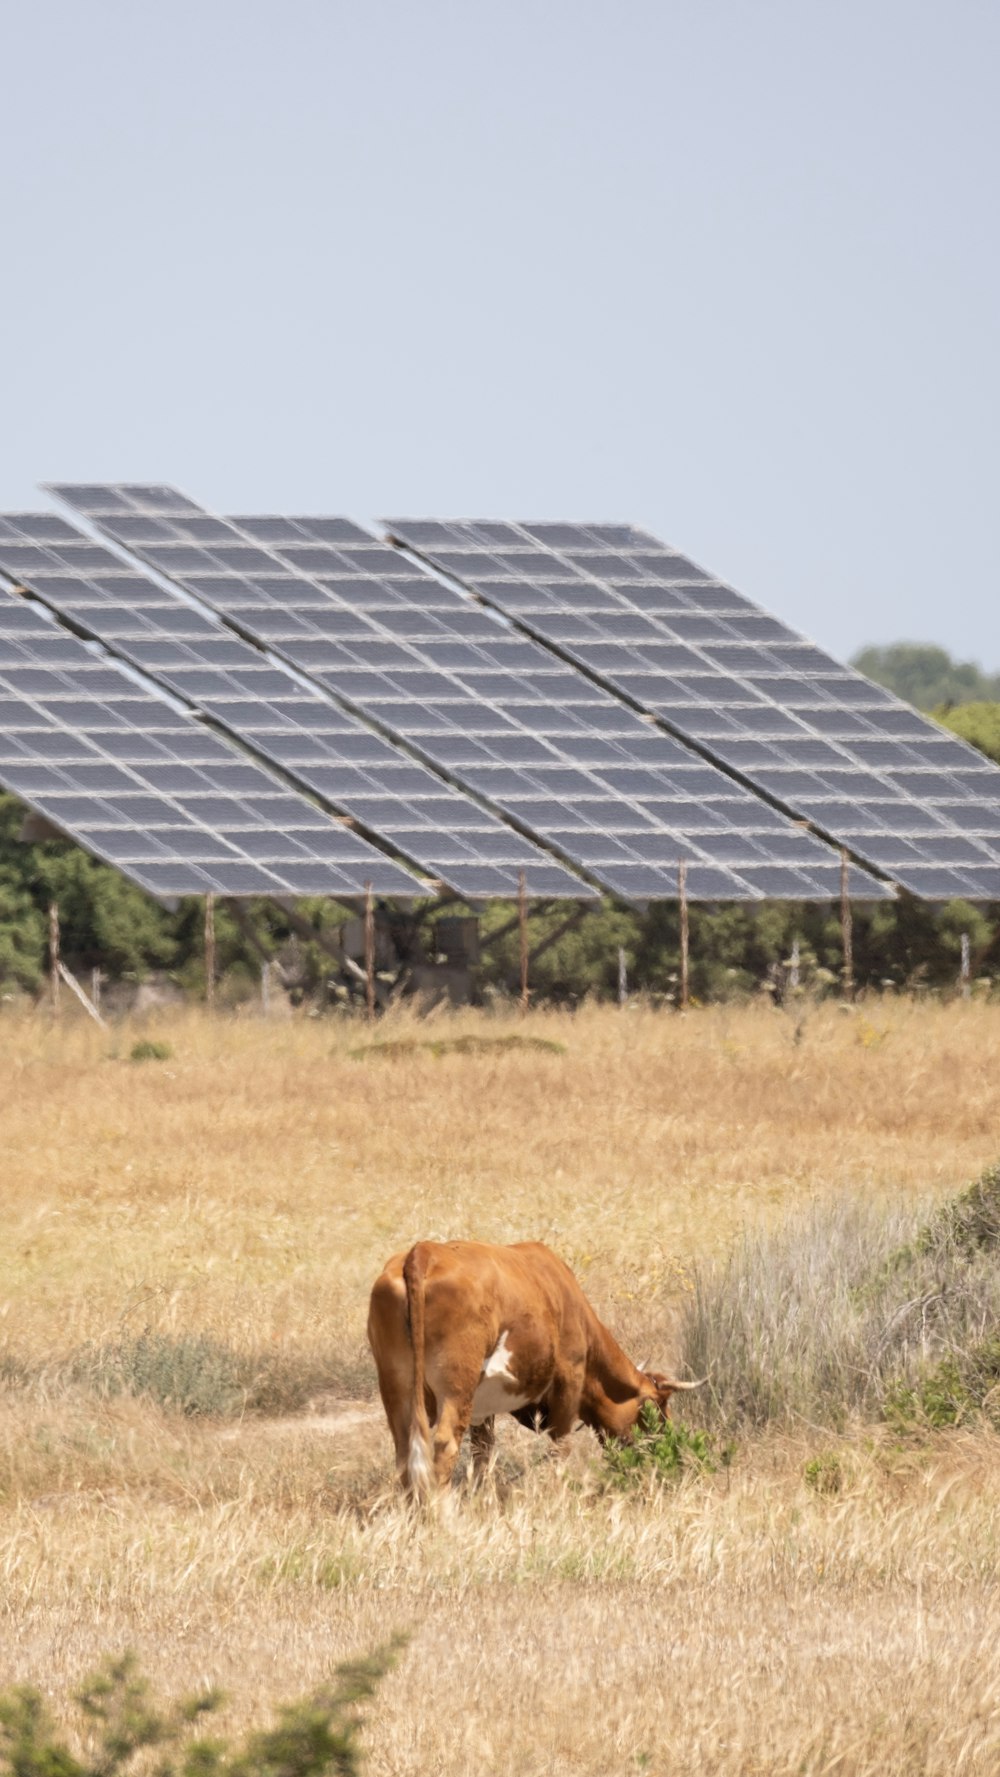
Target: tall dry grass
(244, 1192)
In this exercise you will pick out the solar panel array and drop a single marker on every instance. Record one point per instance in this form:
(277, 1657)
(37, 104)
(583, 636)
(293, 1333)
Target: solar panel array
(321, 746)
(495, 710)
(904, 796)
(148, 789)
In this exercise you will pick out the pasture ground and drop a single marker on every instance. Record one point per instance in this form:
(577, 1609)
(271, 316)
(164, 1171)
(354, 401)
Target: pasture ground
(246, 1190)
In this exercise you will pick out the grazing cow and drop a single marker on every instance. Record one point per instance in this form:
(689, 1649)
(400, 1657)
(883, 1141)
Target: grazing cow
(461, 1331)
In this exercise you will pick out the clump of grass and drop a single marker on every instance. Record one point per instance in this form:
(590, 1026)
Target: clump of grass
(853, 1311)
(463, 1045)
(202, 1377)
(659, 1450)
(15, 1372)
(311, 1738)
(148, 1049)
(825, 1473)
(193, 1374)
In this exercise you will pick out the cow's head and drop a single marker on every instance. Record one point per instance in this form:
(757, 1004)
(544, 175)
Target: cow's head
(657, 1390)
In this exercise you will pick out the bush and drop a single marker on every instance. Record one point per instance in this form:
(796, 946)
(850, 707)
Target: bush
(121, 1723)
(659, 1450)
(854, 1311)
(193, 1374)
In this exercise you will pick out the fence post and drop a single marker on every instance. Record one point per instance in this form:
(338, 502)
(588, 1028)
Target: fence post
(682, 898)
(369, 951)
(265, 987)
(96, 978)
(210, 951)
(846, 927)
(522, 923)
(793, 967)
(965, 973)
(622, 976)
(54, 956)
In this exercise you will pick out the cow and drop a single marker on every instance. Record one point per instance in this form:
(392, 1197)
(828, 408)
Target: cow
(461, 1331)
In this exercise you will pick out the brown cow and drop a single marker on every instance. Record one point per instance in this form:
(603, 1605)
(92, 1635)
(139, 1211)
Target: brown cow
(461, 1331)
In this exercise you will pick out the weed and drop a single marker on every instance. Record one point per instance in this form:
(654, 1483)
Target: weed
(149, 1050)
(313, 1737)
(825, 1474)
(659, 1450)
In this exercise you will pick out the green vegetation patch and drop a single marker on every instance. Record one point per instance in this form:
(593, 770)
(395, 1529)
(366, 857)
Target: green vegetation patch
(659, 1450)
(953, 1391)
(148, 1050)
(466, 1045)
(120, 1724)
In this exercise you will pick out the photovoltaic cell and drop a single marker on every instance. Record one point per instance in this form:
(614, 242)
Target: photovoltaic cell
(750, 693)
(142, 785)
(493, 708)
(322, 747)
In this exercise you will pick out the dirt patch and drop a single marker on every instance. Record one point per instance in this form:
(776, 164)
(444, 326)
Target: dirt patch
(326, 1420)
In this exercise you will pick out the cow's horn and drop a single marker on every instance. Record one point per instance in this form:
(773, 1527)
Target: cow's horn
(686, 1385)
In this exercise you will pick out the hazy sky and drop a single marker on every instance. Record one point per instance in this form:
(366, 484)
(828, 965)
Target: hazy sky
(727, 268)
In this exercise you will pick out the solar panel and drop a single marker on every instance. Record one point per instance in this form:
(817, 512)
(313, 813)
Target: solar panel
(685, 648)
(494, 717)
(139, 783)
(322, 747)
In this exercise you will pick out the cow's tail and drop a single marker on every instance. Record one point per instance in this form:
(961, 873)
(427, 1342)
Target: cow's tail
(419, 1461)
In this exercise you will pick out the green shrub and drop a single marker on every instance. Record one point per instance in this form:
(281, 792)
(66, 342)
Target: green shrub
(122, 1724)
(950, 1392)
(658, 1450)
(825, 1474)
(147, 1050)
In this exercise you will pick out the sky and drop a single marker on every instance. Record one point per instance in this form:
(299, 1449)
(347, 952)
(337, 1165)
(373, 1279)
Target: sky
(728, 270)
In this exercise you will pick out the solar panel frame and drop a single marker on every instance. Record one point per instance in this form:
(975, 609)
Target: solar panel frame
(782, 688)
(441, 613)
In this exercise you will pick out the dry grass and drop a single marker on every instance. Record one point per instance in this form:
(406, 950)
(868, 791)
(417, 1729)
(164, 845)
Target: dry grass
(249, 1187)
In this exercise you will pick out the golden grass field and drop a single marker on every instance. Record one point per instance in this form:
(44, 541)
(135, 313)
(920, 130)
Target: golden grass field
(250, 1187)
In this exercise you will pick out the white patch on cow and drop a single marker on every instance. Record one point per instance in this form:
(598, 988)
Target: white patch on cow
(499, 1390)
(418, 1468)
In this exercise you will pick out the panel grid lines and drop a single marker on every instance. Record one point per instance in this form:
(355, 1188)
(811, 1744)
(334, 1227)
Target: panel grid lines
(505, 718)
(319, 745)
(144, 786)
(913, 801)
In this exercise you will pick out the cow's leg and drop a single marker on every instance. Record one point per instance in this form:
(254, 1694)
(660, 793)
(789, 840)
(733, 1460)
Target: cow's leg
(451, 1427)
(483, 1444)
(563, 1404)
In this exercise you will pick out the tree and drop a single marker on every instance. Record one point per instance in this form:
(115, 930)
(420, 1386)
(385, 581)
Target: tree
(978, 723)
(926, 676)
